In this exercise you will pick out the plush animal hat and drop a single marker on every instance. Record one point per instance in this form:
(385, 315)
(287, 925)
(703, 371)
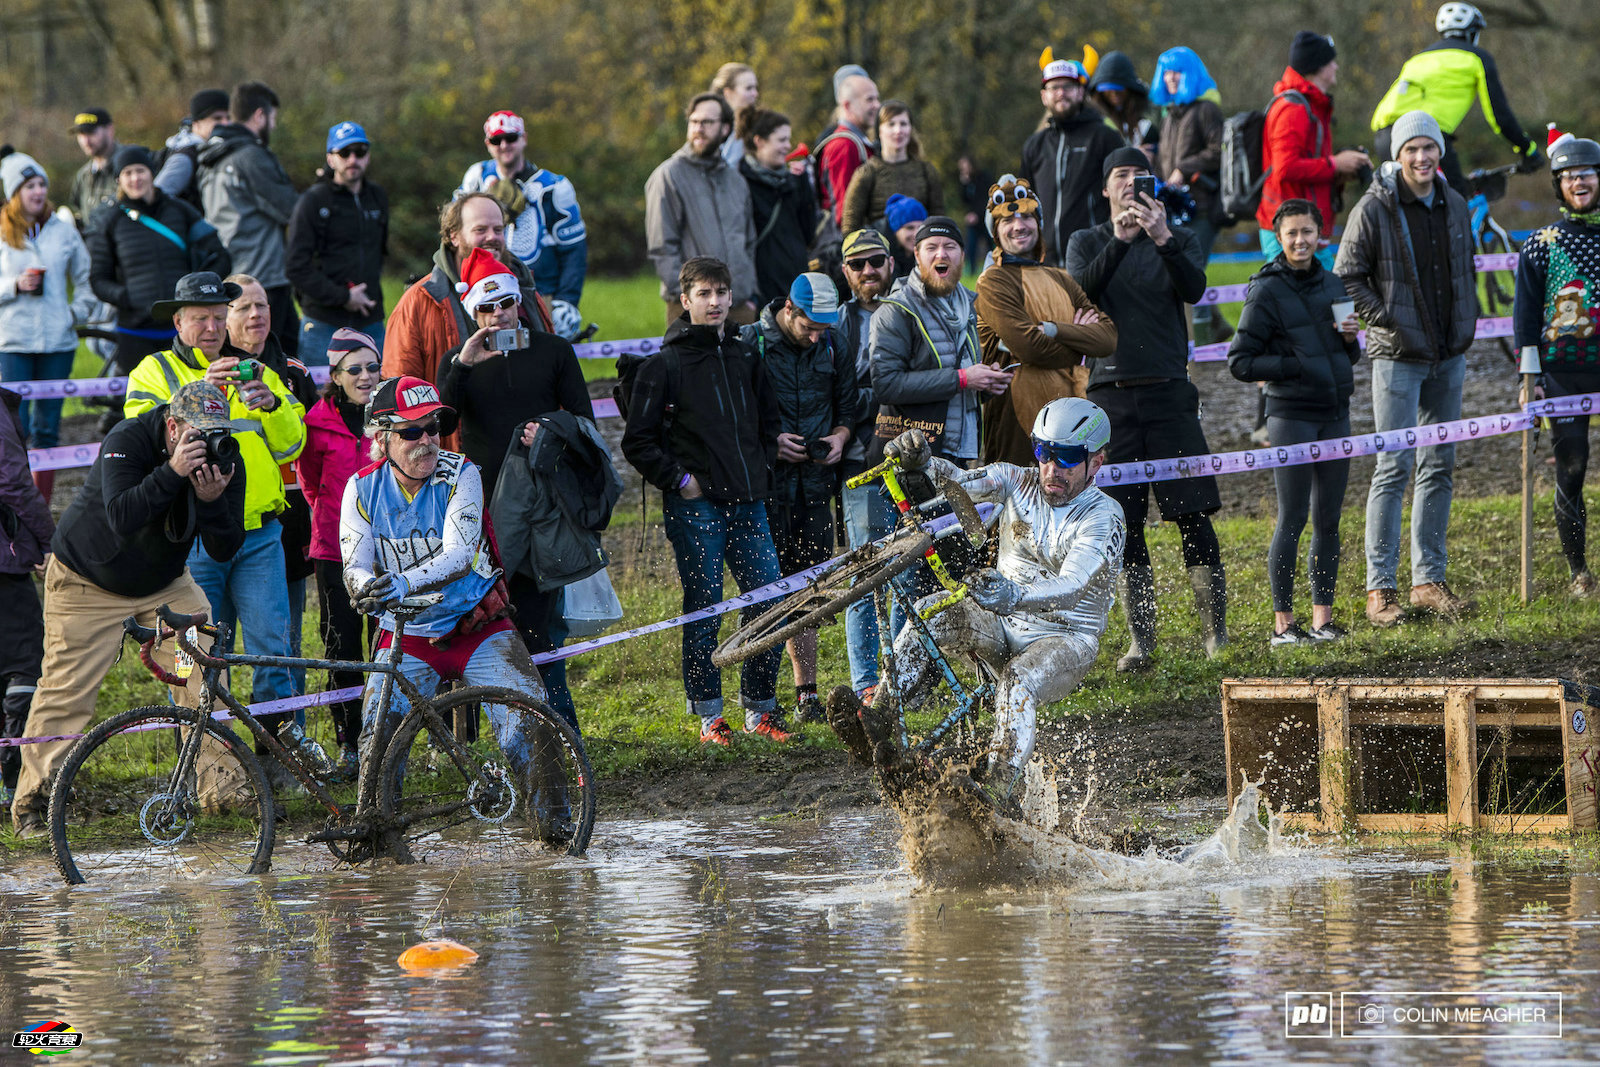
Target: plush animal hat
(1010, 196)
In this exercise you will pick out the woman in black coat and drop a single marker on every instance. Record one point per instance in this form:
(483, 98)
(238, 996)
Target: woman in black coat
(1290, 337)
(781, 203)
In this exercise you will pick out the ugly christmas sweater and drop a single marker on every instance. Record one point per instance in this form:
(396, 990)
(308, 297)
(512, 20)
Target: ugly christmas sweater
(1558, 294)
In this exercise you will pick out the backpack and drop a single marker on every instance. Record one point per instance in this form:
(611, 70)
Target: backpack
(628, 364)
(1242, 175)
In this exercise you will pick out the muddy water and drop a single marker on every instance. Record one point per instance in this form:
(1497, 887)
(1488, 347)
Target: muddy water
(733, 940)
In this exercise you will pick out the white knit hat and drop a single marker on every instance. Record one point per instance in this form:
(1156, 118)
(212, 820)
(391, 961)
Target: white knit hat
(17, 168)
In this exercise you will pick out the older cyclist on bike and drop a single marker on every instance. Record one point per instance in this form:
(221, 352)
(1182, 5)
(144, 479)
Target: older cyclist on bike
(1037, 618)
(413, 523)
(1444, 79)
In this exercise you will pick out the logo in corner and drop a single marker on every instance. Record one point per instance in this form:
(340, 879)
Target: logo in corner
(49, 1038)
(1579, 723)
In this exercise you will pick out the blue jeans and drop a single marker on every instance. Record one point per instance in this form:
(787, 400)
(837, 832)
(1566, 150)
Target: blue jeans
(868, 515)
(704, 535)
(1271, 248)
(39, 418)
(252, 588)
(315, 335)
(1412, 394)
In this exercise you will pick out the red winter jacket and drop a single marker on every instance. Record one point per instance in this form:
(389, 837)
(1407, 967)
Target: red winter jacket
(332, 454)
(1295, 164)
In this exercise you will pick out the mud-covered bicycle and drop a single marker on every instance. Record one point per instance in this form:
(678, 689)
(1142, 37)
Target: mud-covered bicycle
(170, 788)
(935, 523)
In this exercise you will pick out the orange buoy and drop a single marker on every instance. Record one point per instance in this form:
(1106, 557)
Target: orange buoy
(433, 955)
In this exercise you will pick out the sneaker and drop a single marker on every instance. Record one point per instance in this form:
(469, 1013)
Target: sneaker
(1437, 598)
(1331, 632)
(809, 709)
(718, 732)
(868, 695)
(770, 725)
(1583, 585)
(1294, 635)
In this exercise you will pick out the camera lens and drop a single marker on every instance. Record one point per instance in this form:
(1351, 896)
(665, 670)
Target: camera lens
(817, 450)
(221, 449)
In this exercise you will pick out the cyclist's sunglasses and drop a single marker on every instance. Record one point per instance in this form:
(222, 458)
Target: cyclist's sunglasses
(355, 370)
(505, 138)
(357, 150)
(415, 433)
(874, 262)
(1060, 455)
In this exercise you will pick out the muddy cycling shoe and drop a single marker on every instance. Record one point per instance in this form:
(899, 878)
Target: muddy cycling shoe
(881, 725)
(843, 712)
(809, 709)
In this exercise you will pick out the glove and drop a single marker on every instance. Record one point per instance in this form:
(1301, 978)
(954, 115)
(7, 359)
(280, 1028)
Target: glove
(565, 319)
(386, 587)
(990, 589)
(1531, 161)
(911, 449)
(510, 196)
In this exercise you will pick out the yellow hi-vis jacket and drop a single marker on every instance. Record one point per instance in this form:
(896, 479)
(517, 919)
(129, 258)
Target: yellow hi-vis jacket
(1443, 80)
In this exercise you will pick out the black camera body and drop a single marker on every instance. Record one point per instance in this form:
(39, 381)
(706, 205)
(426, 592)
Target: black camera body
(222, 451)
(817, 450)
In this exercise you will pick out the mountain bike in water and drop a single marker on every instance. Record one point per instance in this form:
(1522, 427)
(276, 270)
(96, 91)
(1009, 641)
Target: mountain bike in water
(1496, 288)
(167, 788)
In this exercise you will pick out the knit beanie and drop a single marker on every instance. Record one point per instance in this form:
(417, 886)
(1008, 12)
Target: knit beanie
(1414, 124)
(941, 226)
(207, 101)
(131, 155)
(1310, 52)
(15, 169)
(1126, 156)
(902, 209)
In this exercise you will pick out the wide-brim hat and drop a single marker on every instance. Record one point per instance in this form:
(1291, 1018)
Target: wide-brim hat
(203, 288)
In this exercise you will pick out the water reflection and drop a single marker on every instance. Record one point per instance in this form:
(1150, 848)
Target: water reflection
(792, 941)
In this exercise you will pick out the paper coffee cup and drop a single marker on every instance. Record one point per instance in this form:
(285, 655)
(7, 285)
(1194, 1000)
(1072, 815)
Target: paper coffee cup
(1343, 309)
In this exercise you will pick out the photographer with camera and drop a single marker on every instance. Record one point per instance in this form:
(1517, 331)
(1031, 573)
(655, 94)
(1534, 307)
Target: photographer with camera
(251, 585)
(815, 381)
(163, 480)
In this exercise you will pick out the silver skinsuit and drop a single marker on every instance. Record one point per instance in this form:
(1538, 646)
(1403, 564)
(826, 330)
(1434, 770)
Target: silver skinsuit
(1066, 560)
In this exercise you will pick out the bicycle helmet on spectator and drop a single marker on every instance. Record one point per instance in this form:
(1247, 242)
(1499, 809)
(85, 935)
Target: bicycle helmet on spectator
(1567, 151)
(1070, 429)
(1459, 20)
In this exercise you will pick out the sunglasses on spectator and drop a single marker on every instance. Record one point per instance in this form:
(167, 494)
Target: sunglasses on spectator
(867, 261)
(415, 433)
(355, 370)
(1060, 455)
(357, 150)
(498, 305)
(505, 138)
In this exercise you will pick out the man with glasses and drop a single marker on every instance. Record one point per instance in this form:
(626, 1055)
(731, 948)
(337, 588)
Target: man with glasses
(412, 523)
(1036, 617)
(545, 228)
(1558, 309)
(337, 240)
(1060, 162)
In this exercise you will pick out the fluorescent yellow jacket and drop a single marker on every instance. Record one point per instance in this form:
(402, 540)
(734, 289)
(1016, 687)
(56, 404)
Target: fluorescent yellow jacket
(266, 438)
(1443, 80)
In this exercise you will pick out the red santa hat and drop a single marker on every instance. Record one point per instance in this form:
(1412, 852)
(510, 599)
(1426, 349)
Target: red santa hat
(485, 280)
(1554, 137)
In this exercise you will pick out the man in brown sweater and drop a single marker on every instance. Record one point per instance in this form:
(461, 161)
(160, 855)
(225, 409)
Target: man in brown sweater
(1033, 315)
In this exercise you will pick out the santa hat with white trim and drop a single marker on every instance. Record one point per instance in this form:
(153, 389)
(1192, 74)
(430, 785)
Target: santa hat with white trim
(1553, 138)
(485, 280)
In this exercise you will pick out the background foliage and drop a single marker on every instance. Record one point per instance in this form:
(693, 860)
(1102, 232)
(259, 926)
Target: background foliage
(602, 83)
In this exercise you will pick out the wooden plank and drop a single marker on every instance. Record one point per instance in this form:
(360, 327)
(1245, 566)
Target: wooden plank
(1228, 723)
(1334, 760)
(1524, 824)
(1582, 758)
(1461, 756)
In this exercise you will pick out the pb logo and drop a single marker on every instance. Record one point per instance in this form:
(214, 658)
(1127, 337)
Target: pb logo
(1348, 445)
(1283, 455)
(1116, 474)
(1149, 470)
(1216, 463)
(1316, 451)
(1411, 437)
(1444, 432)
(1308, 1014)
(1249, 459)
(1472, 428)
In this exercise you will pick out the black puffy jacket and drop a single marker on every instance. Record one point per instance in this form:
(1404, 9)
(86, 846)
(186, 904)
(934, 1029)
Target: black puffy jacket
(131, 265)
(1287, 338)
(816, 390)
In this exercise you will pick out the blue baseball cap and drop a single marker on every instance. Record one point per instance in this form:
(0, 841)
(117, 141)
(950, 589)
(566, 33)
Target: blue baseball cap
(814, 294)
(343, 134)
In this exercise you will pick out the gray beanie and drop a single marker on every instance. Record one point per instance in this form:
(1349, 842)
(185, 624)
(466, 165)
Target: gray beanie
(1414, 124)
(17, 168)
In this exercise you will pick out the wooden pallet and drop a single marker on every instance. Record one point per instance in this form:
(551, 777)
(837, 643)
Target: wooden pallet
(1317, 745)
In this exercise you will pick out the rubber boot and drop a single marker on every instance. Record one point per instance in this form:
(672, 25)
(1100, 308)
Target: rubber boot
(1211, 601)
(45, 482)
(1138, 587)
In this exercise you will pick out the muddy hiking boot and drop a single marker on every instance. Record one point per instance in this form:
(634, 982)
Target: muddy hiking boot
(1138, 589)
(843, 712)
(1210, 587)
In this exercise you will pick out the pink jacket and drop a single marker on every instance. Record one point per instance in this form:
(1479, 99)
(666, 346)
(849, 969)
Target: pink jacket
(331, 456)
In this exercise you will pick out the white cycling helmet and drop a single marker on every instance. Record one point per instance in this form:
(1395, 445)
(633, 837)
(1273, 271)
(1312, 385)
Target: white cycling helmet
(1070, 424)
(1459, 20)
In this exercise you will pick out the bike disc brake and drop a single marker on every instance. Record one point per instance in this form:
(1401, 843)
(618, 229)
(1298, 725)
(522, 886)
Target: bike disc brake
(492, 797)
(159, 819)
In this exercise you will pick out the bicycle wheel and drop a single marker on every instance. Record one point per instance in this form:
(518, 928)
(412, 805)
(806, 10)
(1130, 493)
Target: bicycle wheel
(1497, 287)
(864, 571)
(116, 809)
(452, 797)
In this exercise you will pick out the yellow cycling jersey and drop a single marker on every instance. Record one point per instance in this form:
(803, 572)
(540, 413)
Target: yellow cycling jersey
(1444, 79)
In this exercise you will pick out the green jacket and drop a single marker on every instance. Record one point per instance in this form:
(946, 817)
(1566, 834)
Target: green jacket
(1443, 80)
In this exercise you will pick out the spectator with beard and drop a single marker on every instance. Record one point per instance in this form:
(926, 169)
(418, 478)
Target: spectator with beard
(782, 204)
(95, 184)
(696, 205)
(1032, 314)
(428, 320)
(1142, 272)
(1061, 162)
(249, 199)
(898, 168)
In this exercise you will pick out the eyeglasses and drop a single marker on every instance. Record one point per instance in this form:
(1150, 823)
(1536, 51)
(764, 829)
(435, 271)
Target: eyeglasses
(1583, 174)
(874, 261)
(498, 305)
(505, 138)
(355, 370)
(415, 433)
(1060, 455)
(357, 150)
